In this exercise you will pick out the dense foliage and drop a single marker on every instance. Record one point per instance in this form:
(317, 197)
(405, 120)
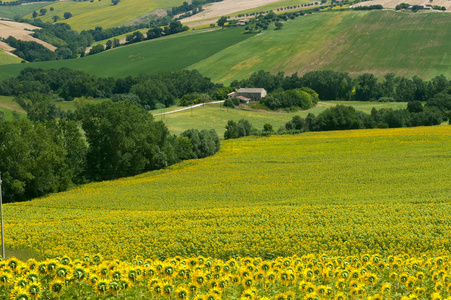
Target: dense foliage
(303, 98)
(148, 90)
(331, 85)
(122, 139)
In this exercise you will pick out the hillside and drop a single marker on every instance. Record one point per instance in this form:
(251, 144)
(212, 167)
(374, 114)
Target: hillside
(7, 58)
(164, 54)
(316, 193)
(89, 14)
(378, 42)
(215, 116)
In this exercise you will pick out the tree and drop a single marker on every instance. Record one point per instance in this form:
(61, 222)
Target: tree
(67, 15)
(221, 22)
(56, 18)
(278, 25)
(115, 2)
(415, 106)
(43, 11)
(109, 44)
(39, 107)
(32, 164)
(35, 14)
(123, 139)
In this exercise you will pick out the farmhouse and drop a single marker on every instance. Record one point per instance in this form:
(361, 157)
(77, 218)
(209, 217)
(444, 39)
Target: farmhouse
(245, 95)
(242, 22)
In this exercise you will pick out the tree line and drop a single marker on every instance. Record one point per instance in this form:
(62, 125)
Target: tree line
(331, 85)
(120, 139)
(342, 117)
(38, 89)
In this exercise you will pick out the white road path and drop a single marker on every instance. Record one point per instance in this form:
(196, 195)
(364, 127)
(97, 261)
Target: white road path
(188, 107)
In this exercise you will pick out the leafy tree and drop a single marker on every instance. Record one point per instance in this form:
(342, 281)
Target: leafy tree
(55, 18)
(122, 138)
(67, 15)
(278, 25)
(109, 44)
(221, 22)
(115, 2)
(366, 87)
(43, 11)
(296, 123)
(339, 117)
(35, 14)
(39, 107)
(415, 106)
(33, 164)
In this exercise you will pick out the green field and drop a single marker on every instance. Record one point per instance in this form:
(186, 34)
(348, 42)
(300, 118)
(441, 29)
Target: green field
(215, 116)
(6, 59)
(378, 191)
(19, 11)
(377, 42)
(166, 54)
(87, 15)
(8, 106)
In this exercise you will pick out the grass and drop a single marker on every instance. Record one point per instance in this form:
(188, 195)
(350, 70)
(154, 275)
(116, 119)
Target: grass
(20, 11)
(8, 105)
(165, 54)
(215, 116)
(87, 15)
(378, 191)
(376, 42)
(6, 58)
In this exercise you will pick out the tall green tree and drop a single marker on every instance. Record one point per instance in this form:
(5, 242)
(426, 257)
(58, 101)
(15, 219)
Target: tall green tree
(123, 139)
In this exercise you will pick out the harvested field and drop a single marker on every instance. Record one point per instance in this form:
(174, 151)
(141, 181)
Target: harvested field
(20, 31)
(393, 3)
(227, 7)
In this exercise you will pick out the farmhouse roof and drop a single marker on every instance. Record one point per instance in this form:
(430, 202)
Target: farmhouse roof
(250, 90)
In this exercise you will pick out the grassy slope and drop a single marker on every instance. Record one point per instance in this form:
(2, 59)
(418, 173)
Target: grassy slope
(8, 106)
(258, 195)
(166, 54)
(9, 12)
(216, 116)
(6, 59)
(377, 42)
(87, 15)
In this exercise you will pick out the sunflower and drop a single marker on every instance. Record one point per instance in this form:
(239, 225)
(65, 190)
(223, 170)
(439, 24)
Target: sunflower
(34, 290)
(340, 296)
(438, 286)
(61, 272)
(311, 296)
(436, 296)
(168, 289)
(340, 284)
(19, 293)
(280, 296)
(386, 288)
(42, 269)
(290, 295)
(181, 293)
(419, 291)
(247, 282)
(102, 286)
(156, 288)
(199, 297)
(56, 287)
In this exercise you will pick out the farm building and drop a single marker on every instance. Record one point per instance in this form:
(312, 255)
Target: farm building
(245, 95)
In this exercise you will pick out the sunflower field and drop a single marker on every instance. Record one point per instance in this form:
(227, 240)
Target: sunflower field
(306, 277)
(323, 215)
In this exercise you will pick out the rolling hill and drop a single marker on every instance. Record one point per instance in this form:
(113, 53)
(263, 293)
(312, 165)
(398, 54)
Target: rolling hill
(314, 193)
(89, 14)
(378, 42)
